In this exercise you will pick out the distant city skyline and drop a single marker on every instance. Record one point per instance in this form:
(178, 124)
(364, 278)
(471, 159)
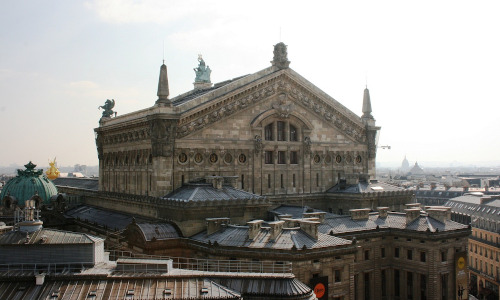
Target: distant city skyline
(432, 67)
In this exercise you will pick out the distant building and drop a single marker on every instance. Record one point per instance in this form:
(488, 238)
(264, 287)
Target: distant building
(483, 213)
(405, 165)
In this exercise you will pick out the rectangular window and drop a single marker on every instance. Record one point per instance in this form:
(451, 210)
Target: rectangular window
(281, 130)
(396, 283)
(409, 254)
(242, 181)
(268, 157)
(423, 257)
(294, 158)
(282, 182)
(268, 181)
(384, 283)
(337, 276)
(444, 286)
(443, 255)
(409, 285)
(317, 179)
(423, 287)
(281, 157)
(367, 254)
(382, 252)
(268, 132)
(367, 286)
(293, 180)
(396, 252)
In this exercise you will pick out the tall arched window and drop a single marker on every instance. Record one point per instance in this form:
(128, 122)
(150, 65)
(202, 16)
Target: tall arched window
(293, 134)
(268, 132)
(281, 131)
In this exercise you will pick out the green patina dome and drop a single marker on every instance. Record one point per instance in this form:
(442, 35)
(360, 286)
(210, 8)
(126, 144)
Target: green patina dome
(27, 183)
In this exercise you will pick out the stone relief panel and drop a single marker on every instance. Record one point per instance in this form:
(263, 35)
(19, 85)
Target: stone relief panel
(162, 137)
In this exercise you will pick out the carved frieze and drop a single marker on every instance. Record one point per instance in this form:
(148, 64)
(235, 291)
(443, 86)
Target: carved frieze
(285, 89)
(162, 134)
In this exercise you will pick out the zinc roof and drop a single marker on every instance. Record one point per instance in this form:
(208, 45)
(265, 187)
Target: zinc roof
(81, 183)
(237, 236)
(47, 236)
(111, 219)
(206, 192)
(158, 231)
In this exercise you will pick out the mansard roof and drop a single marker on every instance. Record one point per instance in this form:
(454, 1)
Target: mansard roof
(237, 236)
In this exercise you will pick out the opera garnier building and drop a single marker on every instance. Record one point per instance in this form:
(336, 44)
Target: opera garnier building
(268, 169)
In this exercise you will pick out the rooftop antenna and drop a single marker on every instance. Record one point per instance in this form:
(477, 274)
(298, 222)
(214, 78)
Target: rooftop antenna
(163, 51)
(280, 33)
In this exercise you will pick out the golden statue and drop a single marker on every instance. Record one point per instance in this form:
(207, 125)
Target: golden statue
(52, 172)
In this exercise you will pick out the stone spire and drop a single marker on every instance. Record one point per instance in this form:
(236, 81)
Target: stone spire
(163, 86)
(367, 105)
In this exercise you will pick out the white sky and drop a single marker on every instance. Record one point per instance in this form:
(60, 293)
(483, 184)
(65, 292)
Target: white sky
(432, 67)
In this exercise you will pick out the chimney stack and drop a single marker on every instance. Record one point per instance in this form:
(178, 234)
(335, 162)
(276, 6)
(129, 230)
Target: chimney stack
(215, 224)
(217, 181)
(484, 199)
(320, 215)
(254, 228)
(359, 214)
(276, 228)
(382, 211)
(440, 213)
(310, 227)
(412, 214)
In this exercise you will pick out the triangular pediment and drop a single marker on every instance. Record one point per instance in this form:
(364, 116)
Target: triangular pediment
(283, 89)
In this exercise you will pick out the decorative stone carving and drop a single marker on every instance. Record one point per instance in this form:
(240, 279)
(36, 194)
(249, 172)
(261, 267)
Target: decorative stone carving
(280, 58)
(282, 108)
(162, 137)
(257, 140)
(307, 145)
(99, 141)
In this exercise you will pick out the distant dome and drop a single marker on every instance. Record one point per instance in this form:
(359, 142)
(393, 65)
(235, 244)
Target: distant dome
(416, 170)
(28, 183)
(405, 165)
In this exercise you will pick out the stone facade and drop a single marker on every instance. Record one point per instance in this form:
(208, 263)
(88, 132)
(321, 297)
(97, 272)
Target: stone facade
(274, 130)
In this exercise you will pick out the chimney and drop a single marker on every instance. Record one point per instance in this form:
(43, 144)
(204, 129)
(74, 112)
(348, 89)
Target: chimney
(290, 223)
(342, 183)
(320, 215)
(217, 181)
(440, 213)
(276, 228)
(382, 211)
(310, 227)
(359, 214)
(412, 214)
(484, 199)
(254, 228)
(232, 181)
(413, 205)
(215, 224)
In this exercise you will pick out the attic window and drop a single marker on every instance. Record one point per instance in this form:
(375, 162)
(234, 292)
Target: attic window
(204, 290)
(130, 292)
(92, 294)
(167, 292)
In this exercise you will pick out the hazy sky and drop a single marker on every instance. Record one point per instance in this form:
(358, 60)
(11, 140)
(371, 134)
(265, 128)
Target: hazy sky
(432, 67)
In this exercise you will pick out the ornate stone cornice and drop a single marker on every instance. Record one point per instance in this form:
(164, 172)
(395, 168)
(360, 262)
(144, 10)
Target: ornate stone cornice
(282, 83)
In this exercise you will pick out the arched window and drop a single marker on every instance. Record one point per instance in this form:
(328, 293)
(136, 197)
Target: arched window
(293, 134)
(281, 130)
(268, 132)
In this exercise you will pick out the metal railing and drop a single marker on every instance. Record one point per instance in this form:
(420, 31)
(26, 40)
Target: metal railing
(211, 265)
(11, 270)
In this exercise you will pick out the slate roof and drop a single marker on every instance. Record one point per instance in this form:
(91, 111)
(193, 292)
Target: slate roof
(237, 236)
(158, 231)
(344, 224)
(366, 187)
(111, 219)
(81, 183)
(278, 287)
(297, 211)
(470, 204)
(205, 192)
(51, 236)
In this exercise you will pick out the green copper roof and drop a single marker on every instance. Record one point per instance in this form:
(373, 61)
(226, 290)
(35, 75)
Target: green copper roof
(28, 183)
